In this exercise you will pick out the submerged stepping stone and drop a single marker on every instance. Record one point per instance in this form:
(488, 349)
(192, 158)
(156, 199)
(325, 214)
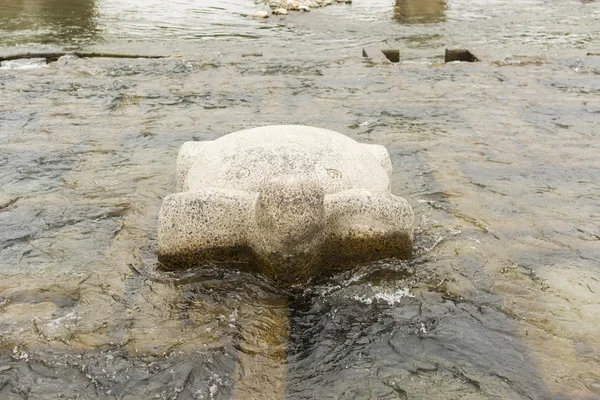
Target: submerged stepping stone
(465, 55)
(294, 201)
(381, 56)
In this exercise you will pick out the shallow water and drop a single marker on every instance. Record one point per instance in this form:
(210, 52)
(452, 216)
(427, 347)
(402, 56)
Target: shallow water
(499, 161)
(419, 28)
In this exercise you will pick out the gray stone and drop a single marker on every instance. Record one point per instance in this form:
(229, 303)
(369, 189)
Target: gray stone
(392, 54)
(375, 55)
(295, 201)
(465, 55)
(260, 14)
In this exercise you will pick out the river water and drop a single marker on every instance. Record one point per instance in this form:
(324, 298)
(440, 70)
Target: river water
(498, 159)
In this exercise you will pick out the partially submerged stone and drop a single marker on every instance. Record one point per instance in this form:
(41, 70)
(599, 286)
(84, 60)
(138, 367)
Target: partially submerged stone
(260, 14)
(465, 55)
(381, 56)
(296, 201)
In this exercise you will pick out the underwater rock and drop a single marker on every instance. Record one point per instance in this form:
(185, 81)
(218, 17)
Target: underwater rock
(296, 201)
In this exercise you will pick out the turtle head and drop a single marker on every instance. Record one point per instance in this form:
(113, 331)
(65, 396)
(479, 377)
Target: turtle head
(290, 218)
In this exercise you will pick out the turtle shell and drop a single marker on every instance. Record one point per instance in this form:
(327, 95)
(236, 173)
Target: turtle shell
(244, 160)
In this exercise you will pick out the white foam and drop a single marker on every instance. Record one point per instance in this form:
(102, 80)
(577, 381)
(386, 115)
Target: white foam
(390, 297)
(29, 63)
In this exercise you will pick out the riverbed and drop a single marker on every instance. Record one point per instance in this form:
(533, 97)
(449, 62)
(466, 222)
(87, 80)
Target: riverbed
(499, 160)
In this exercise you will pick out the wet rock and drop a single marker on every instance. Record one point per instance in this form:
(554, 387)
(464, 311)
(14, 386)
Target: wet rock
(376, 55)
(465, 55)
(280, 11)
(300, 5)
(295, 6)
(260, 14)
(297, 201)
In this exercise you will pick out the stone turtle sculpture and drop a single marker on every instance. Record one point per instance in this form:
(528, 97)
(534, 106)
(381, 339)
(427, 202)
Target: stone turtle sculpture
(295, 201)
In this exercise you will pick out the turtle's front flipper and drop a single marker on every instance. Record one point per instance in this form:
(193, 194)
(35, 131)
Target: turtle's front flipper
(188, 153)
(365, 225)
(208, 225)
(381, 154)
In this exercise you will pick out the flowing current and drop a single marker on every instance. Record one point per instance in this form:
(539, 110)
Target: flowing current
(499, 160)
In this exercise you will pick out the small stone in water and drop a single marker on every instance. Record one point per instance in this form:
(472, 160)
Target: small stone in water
(301, 5)
(280, 11)
(260, 14)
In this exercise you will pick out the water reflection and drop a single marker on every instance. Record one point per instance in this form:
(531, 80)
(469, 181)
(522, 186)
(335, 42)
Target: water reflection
(75, 24)
(420, 11)
(53, 21)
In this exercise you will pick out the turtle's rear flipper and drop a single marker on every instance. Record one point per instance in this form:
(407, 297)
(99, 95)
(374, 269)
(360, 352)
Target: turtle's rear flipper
(186, 157)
